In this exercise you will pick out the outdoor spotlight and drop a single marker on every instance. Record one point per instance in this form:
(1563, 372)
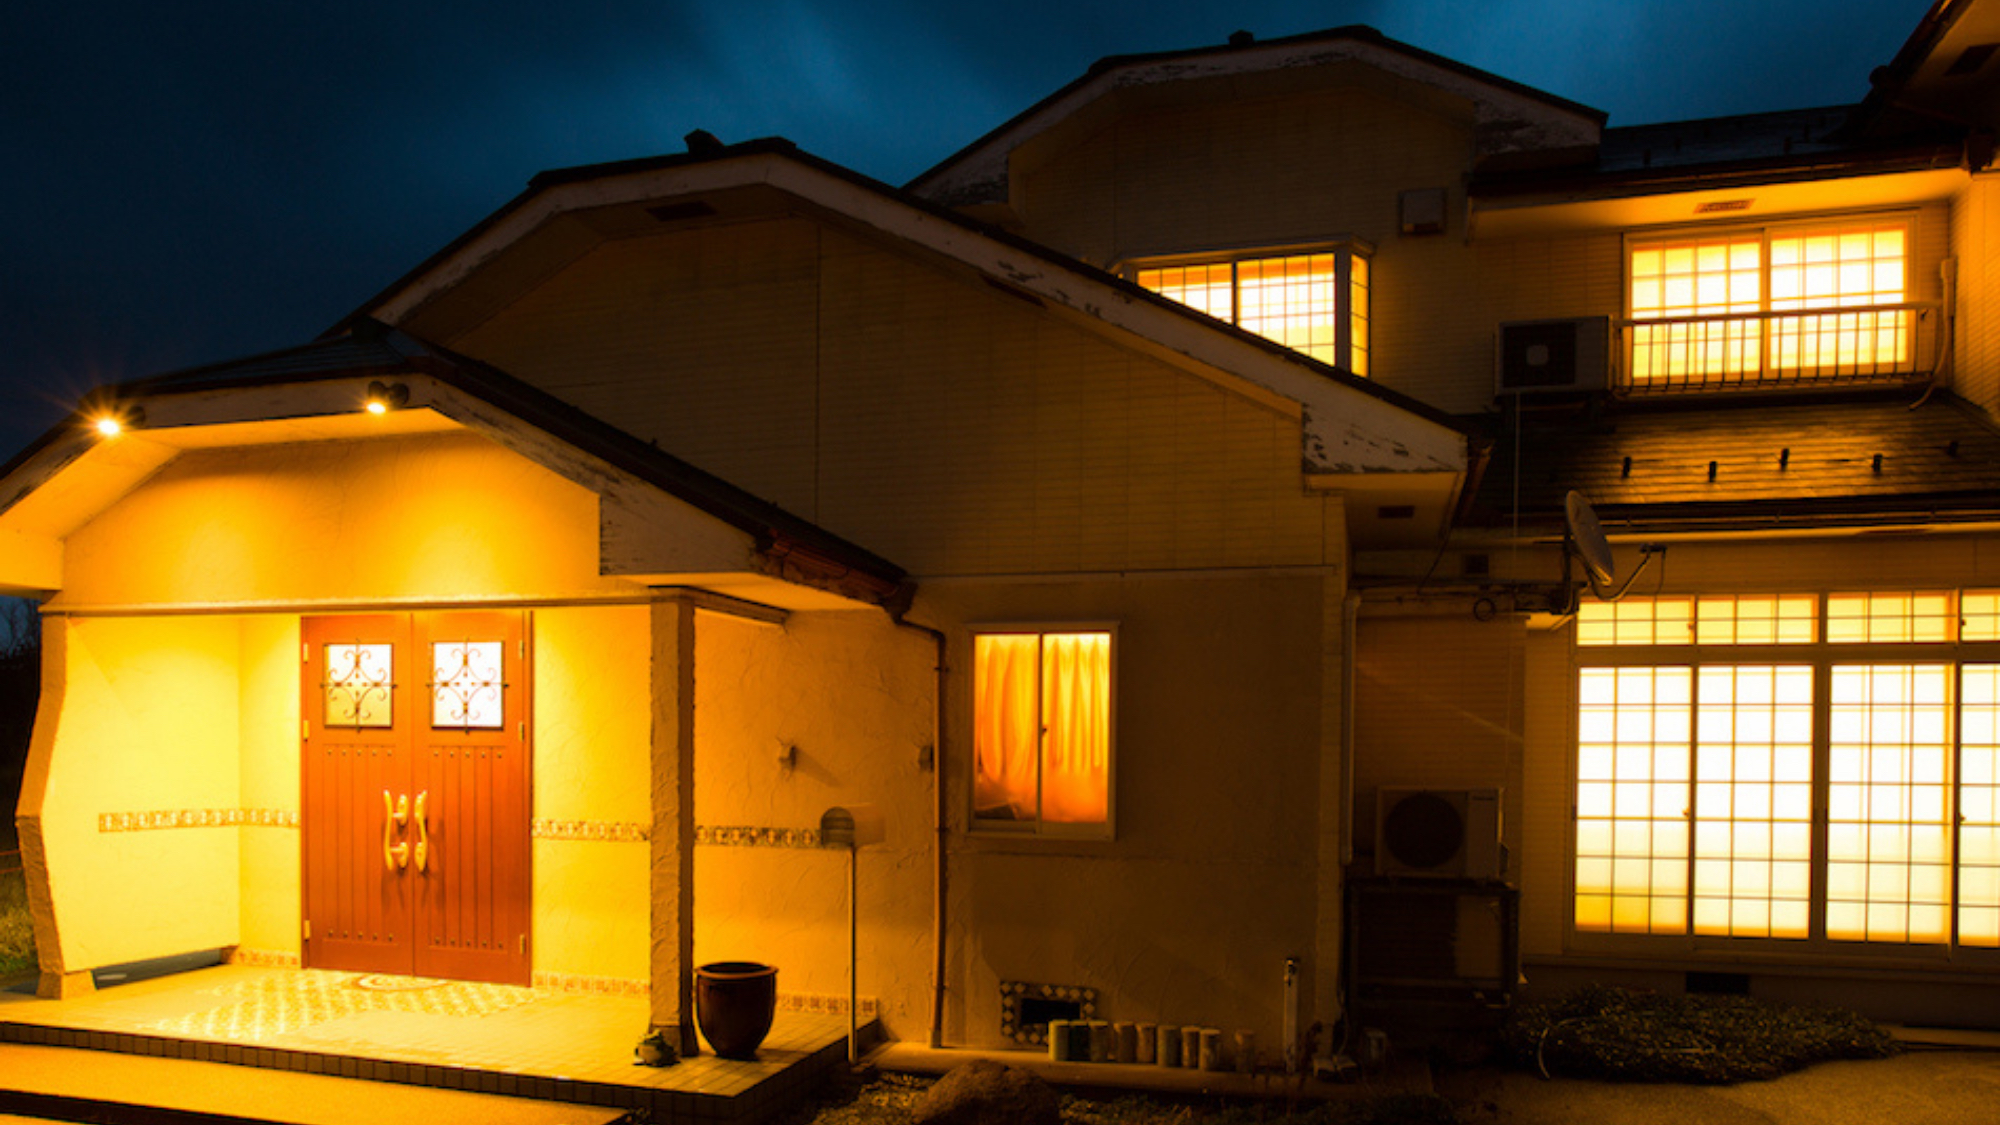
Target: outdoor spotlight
(384, 397)
(110, 419)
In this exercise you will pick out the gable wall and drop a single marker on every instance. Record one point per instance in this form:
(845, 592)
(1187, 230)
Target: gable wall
(1284, 171)
(934, 420)
(1226, 172)
(701, 340)
(440, 516)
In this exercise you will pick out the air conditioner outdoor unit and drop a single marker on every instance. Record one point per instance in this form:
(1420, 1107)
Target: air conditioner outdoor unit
(1439, 833)
(1546, 356)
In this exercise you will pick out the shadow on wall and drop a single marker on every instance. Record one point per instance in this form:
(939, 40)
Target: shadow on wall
(20, 686)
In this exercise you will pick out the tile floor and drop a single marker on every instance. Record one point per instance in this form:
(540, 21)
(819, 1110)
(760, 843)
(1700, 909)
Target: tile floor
(449, 1034)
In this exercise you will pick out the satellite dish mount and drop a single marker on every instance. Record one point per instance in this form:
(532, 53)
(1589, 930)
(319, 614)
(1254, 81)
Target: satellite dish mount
(1584, 542)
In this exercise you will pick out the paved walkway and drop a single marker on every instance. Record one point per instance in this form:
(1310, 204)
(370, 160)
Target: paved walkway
(1923, 1087)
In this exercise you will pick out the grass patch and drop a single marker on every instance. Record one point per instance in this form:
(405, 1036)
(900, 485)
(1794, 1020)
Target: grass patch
(17, 935)
(891, 1099)
(1631, 1036)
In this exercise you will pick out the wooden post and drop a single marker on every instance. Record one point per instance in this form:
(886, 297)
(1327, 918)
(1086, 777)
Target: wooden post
(672, 844)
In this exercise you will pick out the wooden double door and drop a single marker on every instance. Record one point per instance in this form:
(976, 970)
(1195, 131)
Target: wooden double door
(416, 777)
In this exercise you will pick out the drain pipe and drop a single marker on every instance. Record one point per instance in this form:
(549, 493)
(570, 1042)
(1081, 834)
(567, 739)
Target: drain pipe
(1350, 630)
(939, 824)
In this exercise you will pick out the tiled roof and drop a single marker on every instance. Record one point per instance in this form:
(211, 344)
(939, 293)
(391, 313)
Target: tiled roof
(1761, 461)
(1722, 140)
(1707, 152)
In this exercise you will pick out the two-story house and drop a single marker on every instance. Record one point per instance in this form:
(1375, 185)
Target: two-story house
(1160, 510)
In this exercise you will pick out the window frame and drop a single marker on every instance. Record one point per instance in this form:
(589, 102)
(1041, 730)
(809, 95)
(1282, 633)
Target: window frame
(1038, 828)
(1822, 656)
(1344, 249)
(1766, 375)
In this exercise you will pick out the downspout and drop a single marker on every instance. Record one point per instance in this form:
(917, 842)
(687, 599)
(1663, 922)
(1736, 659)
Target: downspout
(1350, 618)
(939, 824)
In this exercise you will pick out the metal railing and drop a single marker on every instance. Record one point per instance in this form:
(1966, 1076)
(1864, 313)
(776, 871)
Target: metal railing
(1822, 346)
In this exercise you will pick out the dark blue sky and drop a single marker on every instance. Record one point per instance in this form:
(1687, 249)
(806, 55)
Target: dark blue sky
(185, 181)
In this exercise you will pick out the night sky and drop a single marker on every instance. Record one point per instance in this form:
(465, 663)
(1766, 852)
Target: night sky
(187, 181)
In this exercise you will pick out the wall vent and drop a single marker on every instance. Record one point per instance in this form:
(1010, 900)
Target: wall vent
(1439, 833)
(680, 212)
(1026, 1009)
(1550, 356)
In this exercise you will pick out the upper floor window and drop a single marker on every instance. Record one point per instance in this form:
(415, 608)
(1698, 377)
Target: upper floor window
(1772, 306)
(1042, 730)
(1316, 303)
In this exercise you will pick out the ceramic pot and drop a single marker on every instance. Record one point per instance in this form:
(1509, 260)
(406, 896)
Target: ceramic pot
(733, 1003)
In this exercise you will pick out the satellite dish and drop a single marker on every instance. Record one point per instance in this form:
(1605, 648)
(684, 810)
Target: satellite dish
(1586, 536)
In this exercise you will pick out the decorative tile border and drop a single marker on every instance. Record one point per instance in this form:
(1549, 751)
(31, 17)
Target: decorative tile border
(599, 831)
(726, 836)
(602, 831)
(196, 818)
(577, 984)
(817, 1004)
(756, 837)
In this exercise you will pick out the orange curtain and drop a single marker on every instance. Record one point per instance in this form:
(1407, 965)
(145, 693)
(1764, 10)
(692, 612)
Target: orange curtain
(1005, 725)
(1076, 719)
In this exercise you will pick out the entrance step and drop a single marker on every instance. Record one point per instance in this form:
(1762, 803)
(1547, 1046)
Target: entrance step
(68, 1084)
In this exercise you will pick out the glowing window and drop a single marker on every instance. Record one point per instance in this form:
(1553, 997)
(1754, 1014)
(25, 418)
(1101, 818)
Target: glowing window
(1042, 733)
(1851, 796)
(1979, 615)
(1632, 800)
(1753, 806)
(467, 690)
(1357, 316)
(1206, 288)
(1979, 805)
(1889, 617)
(1636, 621)
(1684, 280)
(1315, 303)
(1839, 269)
(1712, 619)
(1888, 796)
(1705, 308)
(359, 685)
(1789, 619)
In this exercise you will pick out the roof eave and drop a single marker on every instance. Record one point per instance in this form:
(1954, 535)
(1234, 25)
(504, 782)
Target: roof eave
(790, 547)
(1572, 184)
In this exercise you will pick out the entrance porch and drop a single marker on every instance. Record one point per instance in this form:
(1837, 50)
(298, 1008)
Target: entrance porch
(455, 1035)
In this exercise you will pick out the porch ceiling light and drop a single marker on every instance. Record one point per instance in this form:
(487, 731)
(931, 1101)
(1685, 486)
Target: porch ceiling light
(384, 397)
(109, 419)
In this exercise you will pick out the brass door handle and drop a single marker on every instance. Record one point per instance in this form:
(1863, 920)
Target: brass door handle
(423, 830)
(393, 857)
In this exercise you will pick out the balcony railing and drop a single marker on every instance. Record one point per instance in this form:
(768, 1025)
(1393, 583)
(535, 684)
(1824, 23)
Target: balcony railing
(1885, 343)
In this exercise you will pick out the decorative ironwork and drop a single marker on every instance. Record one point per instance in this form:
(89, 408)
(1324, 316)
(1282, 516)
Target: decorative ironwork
(467, 691)
(359, 685)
